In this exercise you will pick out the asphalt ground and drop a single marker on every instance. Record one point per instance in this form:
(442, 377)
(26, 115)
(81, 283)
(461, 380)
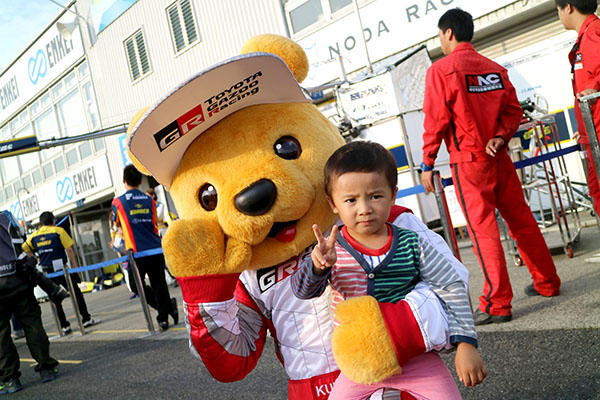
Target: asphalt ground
(550, 350)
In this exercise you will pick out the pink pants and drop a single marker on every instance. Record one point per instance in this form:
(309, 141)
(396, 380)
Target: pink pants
(426, 377)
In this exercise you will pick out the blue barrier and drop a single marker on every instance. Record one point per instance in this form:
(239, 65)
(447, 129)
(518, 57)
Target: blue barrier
(518, 165)
(147, 253)
(103, 264)
(401, 193)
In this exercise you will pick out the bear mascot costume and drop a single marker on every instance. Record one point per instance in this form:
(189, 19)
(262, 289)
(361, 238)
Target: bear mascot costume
(241, 149)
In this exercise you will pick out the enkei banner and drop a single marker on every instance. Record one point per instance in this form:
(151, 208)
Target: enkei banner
(74, 185)
(42, 63)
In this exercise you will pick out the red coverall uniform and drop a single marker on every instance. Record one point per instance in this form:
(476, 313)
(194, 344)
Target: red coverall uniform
(585, 68)
(468, 101)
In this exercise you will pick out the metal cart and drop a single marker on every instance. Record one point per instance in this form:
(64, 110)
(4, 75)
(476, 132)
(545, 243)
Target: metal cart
(548, 190)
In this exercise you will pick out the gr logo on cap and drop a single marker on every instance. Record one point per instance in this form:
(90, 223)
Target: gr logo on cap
(161, 136)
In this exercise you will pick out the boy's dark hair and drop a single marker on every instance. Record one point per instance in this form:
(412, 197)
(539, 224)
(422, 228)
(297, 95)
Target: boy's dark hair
(361, 156)
(46, 218)
(586, 7)
(132, 176)
(461, 23)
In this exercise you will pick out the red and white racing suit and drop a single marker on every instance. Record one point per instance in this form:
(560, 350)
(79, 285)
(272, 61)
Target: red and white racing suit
(228, 317)
(468, 101)
(585, 64)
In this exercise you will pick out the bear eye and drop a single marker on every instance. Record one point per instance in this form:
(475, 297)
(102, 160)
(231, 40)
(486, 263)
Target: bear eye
(287, 148)
(207, 196)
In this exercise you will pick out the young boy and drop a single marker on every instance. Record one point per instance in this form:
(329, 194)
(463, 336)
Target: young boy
(369, 256)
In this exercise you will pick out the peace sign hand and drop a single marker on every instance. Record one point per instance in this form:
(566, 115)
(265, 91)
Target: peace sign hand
(323, 254)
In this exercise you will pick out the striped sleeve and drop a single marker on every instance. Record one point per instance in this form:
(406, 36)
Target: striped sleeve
(439, 274)
(306, 284)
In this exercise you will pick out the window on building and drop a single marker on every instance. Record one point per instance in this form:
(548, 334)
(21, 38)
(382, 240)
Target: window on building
(48, 170)
(182, 23)
(137, 57)
(59, 164)
(337, 5)
(306, 14)
(30, 160)
(27, 182)
(71, 114)
(83, 70)
(72, 157)
(85, 150)
(2, 197)
(70, 80)
(45, 100)
(58, 90)
(36, 175)
(99, 144)
(46, 128)
(20, 120)
(17, 187)
(90, 104)
(303, 14)
(9, 166)
(9, 192)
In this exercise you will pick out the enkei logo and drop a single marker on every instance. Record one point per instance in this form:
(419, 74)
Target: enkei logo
(176, 129)
(484, 83)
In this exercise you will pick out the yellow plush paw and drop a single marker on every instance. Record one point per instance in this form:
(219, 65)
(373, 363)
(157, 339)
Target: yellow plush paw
(361, 343)
(194, 247)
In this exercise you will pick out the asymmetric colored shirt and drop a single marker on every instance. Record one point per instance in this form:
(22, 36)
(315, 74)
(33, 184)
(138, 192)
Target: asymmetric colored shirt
(49, 242)
(135, 211)
(410, 259)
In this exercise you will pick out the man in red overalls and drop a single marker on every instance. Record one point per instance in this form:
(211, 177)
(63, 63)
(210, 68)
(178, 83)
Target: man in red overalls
(584, 57)
(471, 105)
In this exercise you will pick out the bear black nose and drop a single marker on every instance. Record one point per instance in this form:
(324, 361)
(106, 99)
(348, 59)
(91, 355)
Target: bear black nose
(257, 198)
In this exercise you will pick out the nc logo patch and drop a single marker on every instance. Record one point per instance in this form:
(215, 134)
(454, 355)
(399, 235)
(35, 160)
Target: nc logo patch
(484, 83)
(64, 189)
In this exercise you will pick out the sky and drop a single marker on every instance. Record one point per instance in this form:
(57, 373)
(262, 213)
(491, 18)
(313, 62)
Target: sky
(21, 21)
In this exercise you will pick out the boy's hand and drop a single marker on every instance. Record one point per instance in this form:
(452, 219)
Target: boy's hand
(469, 365)
(323, 254)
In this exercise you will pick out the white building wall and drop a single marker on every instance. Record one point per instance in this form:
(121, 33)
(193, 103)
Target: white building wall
(223, 27)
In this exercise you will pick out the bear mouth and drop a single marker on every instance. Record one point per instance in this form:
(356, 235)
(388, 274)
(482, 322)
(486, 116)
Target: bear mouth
(283, 232)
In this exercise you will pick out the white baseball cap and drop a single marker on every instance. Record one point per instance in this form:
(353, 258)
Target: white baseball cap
(162, 135)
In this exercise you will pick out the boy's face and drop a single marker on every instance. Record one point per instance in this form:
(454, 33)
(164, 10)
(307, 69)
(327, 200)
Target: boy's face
(363, 201)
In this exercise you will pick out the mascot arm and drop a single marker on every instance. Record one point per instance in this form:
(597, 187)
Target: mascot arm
(227, 329)
(445, 282)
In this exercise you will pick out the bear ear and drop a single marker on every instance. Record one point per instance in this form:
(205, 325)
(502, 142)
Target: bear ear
(132, 124)
(290, 51)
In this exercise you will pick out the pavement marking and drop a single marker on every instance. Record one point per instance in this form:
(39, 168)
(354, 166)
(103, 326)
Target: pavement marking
(119, 331)
(31, 360)
(55, 335)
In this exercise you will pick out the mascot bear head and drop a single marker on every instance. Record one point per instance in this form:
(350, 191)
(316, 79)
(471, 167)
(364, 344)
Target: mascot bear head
(241, 149)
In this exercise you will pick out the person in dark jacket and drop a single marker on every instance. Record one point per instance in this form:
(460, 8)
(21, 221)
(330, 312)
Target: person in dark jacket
(17, 298)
